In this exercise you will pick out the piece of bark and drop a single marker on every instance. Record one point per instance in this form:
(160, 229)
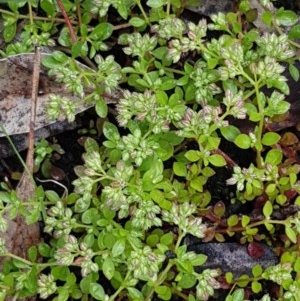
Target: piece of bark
(230, 257)
(15, 93)
(26, 236)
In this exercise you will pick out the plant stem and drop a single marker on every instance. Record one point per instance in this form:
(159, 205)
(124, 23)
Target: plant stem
(118, 291)
(69, 25)
(20, 16)
(143, 11)
(163, 274)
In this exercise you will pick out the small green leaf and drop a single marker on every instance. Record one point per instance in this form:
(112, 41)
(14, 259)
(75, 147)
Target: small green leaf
(256, 287)
(229, 277)
(286, 17)
(101, 108)
(297, 265)
(294, 72)
(60, 273)
(198, 260)
(198, 183)
(243, 141)
(122, 9)
(164, 292)
(290, 233)
(135, 294)
(232, 220)
(137, 22)
(118, 248)
(110, 131)
(193, 155)
(257, 270)
(179, 169)
(52, 196)
(97, 291)
(167, 239)
(267, 17)
(187, 281)
(156, 3)
(274, 157)
(230, 132)
(48, 7)
(9, 32)
(243, 281)
(32, 253)
(44, 249)
(268, 209)
(270, 138)
(245, 220)
(217, 160)
(108, 268)
(89, 215)
(294, 33)
(102, 31)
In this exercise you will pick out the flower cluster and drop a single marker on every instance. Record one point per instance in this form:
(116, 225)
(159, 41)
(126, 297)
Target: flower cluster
(139, 45)
(194, 124)
(93, 164)
(74, 253)
(250, 176)
(235, 104)
(42, 39)
(145, 215)
(275, 46)
(71, 78)
(109, 72)
(145, 106)
(169, 28)
(204, 81)
(60, 220)
(182, 216)
(145, 264)
(116, 200)
(84, 185)
(193, 41)
(59, 108)
(267, 69)
(293, 291)
(46, 286)
(136, 147)
(100, 7)
(207, 284)
(278, 273)
(219, 22)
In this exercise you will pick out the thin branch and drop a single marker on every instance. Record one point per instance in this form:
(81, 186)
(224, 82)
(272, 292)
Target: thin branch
(63, 11)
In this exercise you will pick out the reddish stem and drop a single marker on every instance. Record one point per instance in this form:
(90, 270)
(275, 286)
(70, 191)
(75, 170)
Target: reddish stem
(68, 22)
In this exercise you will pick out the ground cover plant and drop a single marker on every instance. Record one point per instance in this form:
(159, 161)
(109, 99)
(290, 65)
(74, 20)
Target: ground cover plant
(144, 186)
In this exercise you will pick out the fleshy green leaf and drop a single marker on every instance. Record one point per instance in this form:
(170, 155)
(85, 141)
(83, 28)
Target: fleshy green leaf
(270, 138)
(179, 169)
(290, 233)
(108, 268)
(97, 291)
(243, 141)
(163, 292)
(294, 33)
(274, 157)
(268, 209)
(118, 248)
(217, 160)
(286, 17)
(101, 108)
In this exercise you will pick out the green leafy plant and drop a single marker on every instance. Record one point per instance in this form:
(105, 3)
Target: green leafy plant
(120, 233)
